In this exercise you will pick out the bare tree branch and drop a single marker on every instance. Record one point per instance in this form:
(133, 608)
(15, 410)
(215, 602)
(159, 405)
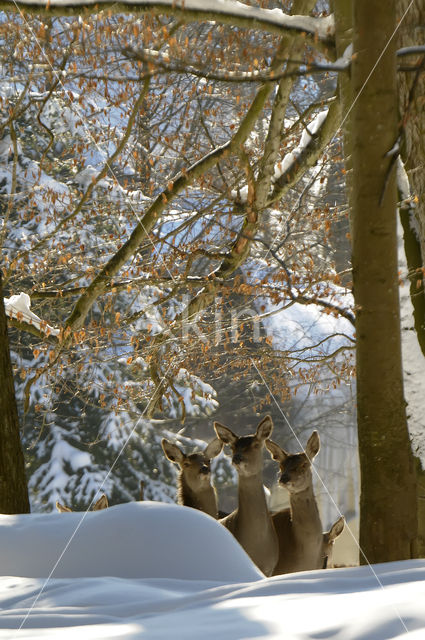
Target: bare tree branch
(235, 14)
(161, 202)
(310, 154)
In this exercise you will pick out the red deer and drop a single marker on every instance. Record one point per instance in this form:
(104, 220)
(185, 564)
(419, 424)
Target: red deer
(102, 503)
(298, 528)
(194, 487)
(329, 538)
(251, 523)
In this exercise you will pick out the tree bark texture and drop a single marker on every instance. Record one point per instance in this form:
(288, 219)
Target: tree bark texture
(412, 105)
(343, 11)
(388, 520)
(412, 118)
(13, 484)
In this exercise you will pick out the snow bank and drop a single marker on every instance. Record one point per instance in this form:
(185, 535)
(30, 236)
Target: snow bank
(134, 540)
(149, 571)
(364, 603)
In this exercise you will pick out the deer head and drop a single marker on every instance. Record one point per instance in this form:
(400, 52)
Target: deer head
(247, 451)
(295, 469)
(329, 538)
(102, 503)
(195, 467)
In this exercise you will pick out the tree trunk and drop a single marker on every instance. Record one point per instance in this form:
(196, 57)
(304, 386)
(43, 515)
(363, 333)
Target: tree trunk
(420, 479)
(412, 114)
(343, 11)
(412, 103)
(388, 521)
(13, 484)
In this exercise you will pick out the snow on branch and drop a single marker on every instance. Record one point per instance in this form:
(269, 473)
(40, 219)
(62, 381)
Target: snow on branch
(408, 51)
(307, 135)
(18, 307)
(313, 140)
(291, 159)
(223, 11)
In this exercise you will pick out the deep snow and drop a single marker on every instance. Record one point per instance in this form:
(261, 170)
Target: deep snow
(157, 571)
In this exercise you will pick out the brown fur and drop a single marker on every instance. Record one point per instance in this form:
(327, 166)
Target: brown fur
(251, 523)
(329, 538)
(102, 503)
(194, 487)
(298, 528)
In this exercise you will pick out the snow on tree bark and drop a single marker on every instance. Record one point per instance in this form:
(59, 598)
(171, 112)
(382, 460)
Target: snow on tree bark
(13, 484)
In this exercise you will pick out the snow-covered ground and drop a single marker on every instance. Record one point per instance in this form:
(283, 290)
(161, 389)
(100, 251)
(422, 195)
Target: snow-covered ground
(160, 572)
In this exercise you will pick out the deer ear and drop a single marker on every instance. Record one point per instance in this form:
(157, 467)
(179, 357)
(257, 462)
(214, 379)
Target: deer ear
(213, 448)
(225, 434)
(265, 428)
(172, 451)
(336, 529)
(276, 452)
(62, 508)
(313, 445)
(102, 503)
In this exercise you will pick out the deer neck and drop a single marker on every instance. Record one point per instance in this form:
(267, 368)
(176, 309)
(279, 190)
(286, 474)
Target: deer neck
(251, 496)
(252, 525)
(304, 513)
(203, 499)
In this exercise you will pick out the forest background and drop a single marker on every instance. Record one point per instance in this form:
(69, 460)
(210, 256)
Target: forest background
(182, 189)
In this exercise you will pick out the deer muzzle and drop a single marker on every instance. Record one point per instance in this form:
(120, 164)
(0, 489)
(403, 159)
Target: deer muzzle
(237, 458)
(284, 478)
